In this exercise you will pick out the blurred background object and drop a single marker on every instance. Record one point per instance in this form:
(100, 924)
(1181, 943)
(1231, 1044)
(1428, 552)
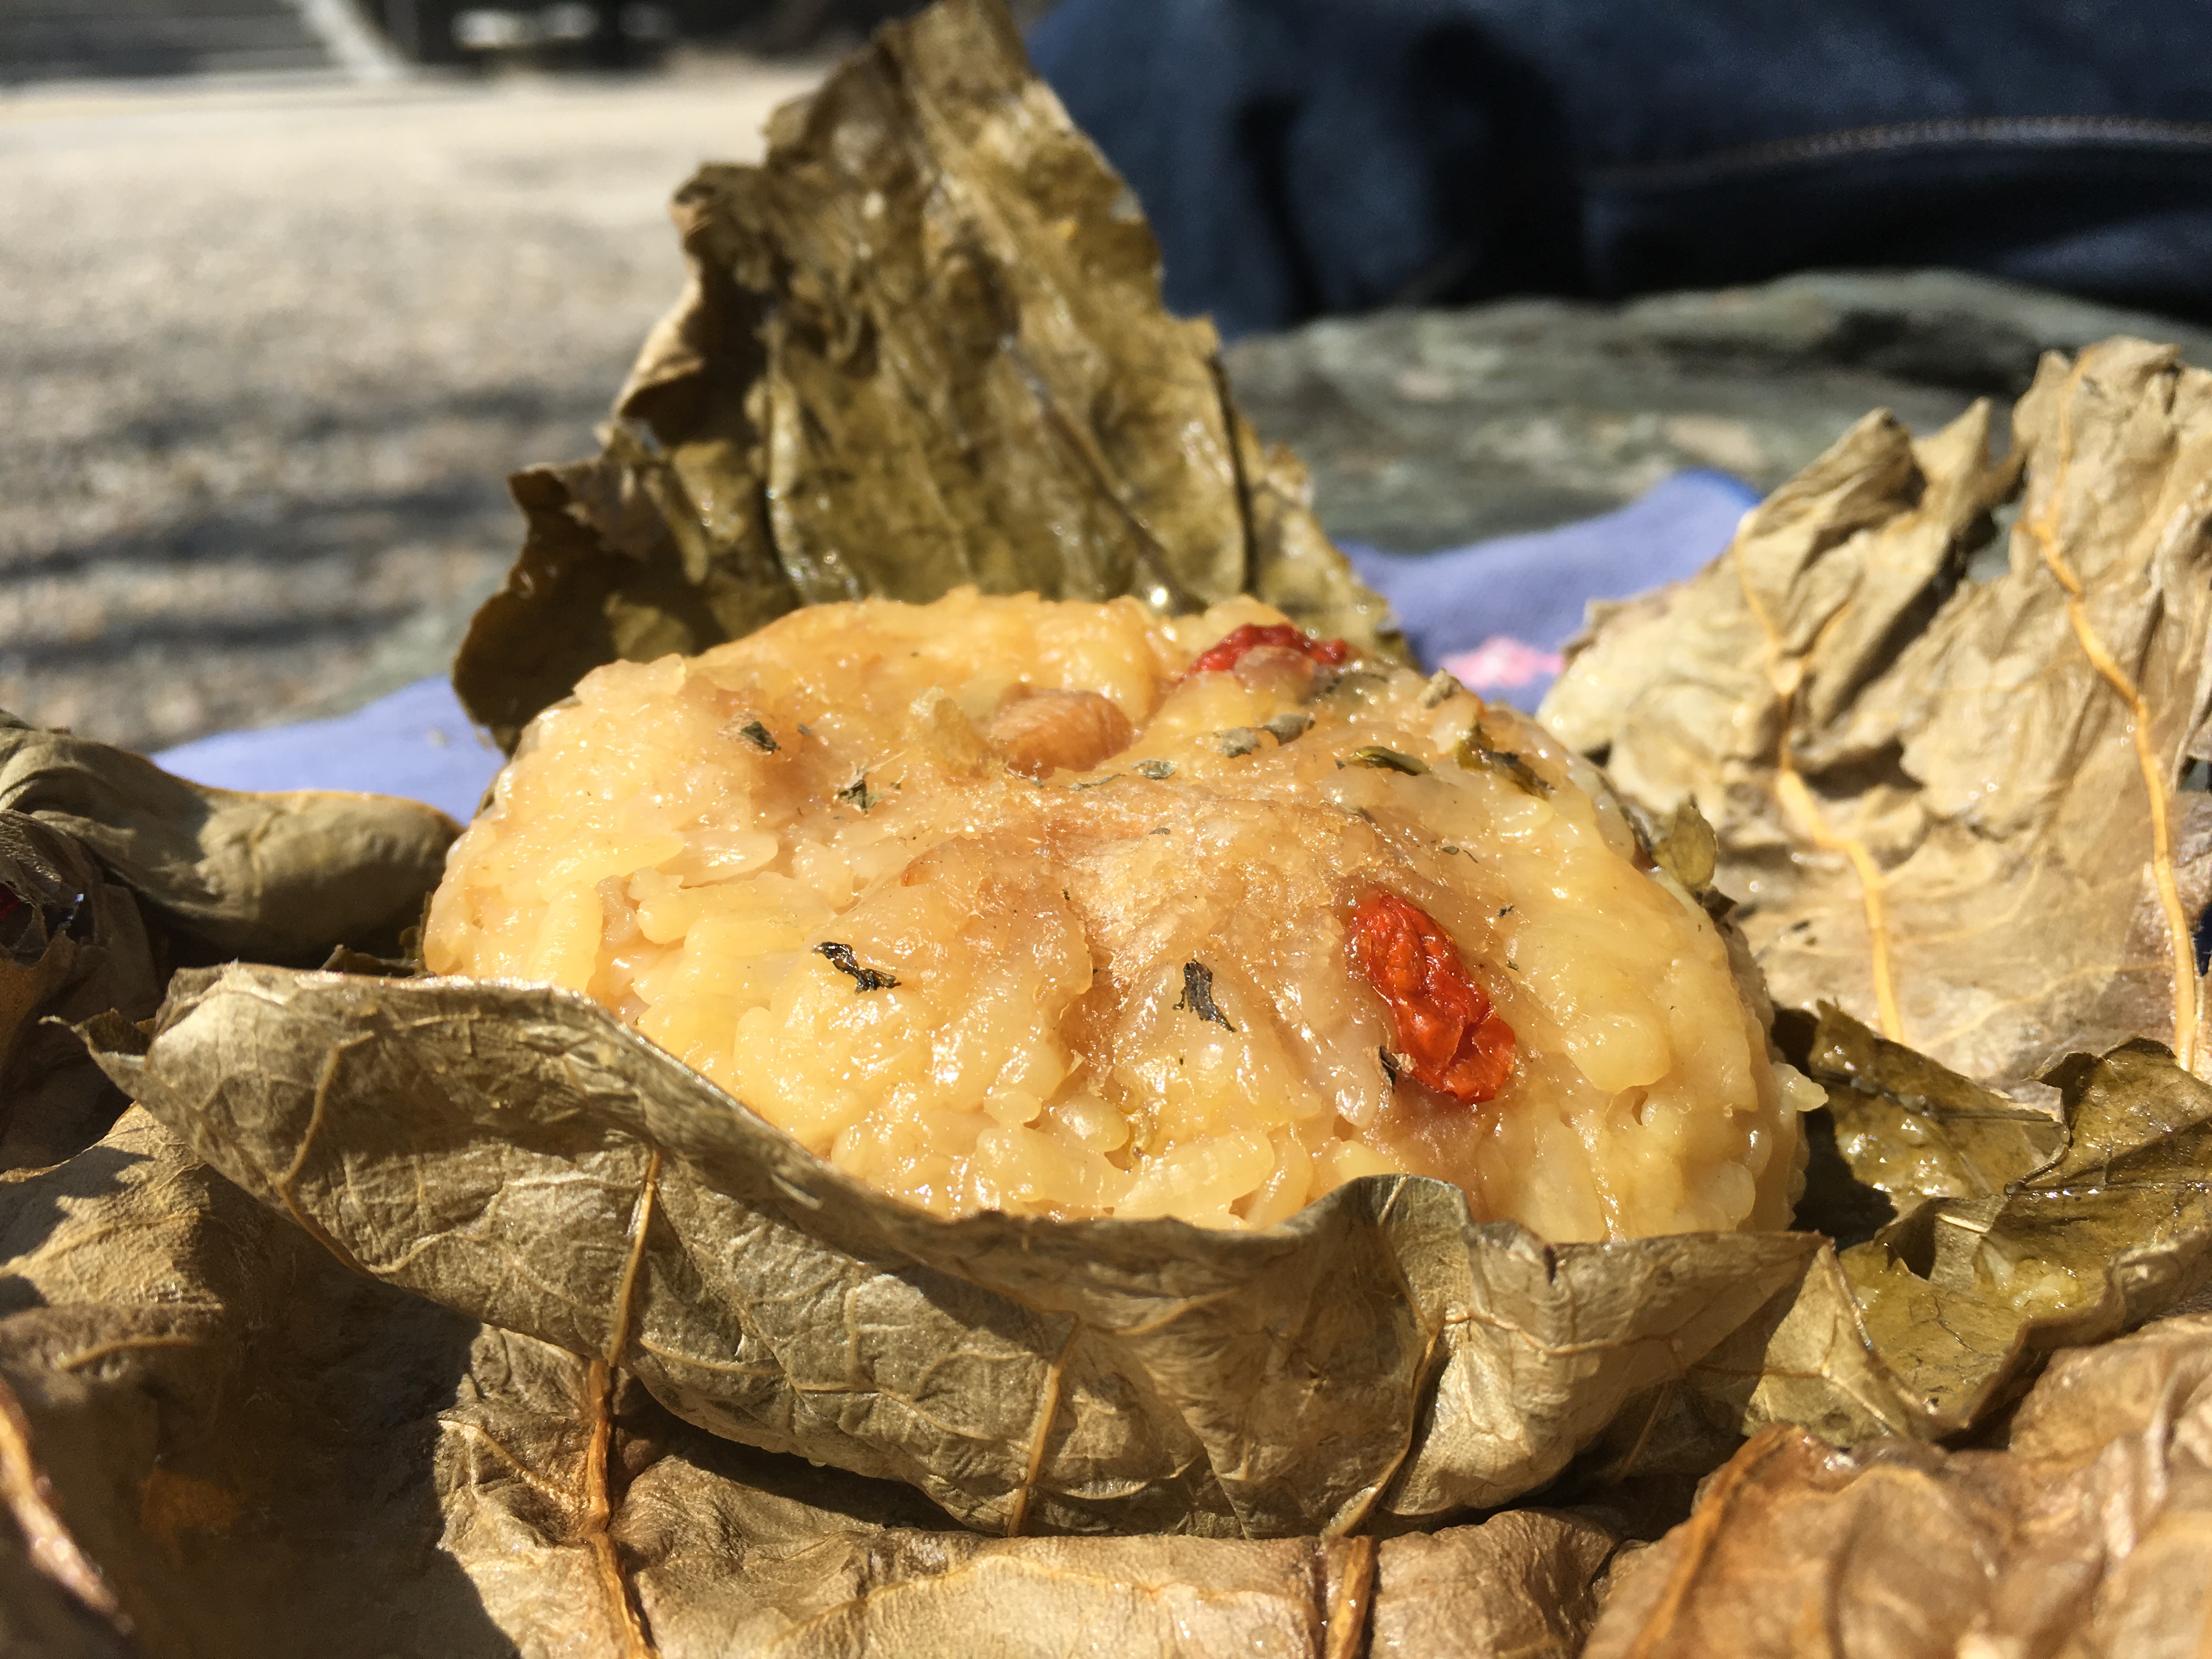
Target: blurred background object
(1304, 156)
(1429, 427)
(292, 285)
(45, 40)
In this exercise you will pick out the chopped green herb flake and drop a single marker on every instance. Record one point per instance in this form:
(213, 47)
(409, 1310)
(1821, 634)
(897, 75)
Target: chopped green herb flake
(759, 736)
(1198, 994)
(1476, 755)
(1157, 769)
(841, 958)
(1389, 760)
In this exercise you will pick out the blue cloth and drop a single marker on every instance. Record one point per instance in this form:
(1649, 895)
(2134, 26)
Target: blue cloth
(1495, 612)
(418, 742)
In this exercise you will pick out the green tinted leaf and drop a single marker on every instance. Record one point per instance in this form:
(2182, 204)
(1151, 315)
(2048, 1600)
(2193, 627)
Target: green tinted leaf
(1475, 754)
(1689, 850)
(922, 346)
(1947, 1312)
(1915, 1129)
(1375, 754)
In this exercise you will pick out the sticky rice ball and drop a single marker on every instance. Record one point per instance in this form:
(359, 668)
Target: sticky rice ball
(1068, 909)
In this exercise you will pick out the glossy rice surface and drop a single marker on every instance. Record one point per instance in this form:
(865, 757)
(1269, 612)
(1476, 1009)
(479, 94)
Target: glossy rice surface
(1020, 824)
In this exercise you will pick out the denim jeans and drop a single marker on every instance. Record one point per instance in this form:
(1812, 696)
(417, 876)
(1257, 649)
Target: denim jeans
(1302, 157)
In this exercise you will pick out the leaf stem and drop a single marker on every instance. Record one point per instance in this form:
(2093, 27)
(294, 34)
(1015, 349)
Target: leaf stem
(640, 1224)
(598, 1512)
(1345, 1633)
(2043, 529)
(1048, 1412)
(1784, 674)
(28, 1496)
(599, 1389)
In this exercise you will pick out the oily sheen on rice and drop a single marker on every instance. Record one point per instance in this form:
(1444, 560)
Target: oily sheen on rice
(993, 904)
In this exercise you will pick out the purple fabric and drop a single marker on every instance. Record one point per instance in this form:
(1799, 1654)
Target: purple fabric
(417, 742)
(1495, 612)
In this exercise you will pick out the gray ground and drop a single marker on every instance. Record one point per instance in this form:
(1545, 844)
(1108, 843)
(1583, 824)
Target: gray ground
(1425, 429)
(267, 353)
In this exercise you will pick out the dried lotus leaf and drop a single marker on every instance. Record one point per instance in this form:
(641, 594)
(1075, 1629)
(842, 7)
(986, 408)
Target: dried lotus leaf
(224, 1439)
(231, 1433)
(72, 946)
(1928, 1328)
(1952, 807)
(66, 936)
(110, 870)
(1526, 1581)
(2086, 1535)
(1917, 1130)
(1898, 1128)
(725, 1551)
(922, 345)
(1375, 1358)
(281, 878)
(37, 1617)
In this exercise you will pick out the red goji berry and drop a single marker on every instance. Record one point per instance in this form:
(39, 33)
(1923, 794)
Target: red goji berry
(1330, 654)
(1442, 1020)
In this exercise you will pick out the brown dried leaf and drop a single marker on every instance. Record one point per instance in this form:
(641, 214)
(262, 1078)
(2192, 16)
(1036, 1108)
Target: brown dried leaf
(110, 870)
(1925, 1330)
(1914, 1129)
(726, 1551)
(233, 1433)
(922, 345)
(1524, 1582)
(782, 1571)
(281, 878)
(72, 946)
(1956, 813)
(226, 1444)
(2091, 1535)
(521, 1156)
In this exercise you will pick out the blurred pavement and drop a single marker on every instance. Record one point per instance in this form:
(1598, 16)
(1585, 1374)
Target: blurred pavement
(269, 350)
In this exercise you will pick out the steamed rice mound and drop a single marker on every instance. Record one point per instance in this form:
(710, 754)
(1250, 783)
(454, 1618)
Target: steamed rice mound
(994, 905)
